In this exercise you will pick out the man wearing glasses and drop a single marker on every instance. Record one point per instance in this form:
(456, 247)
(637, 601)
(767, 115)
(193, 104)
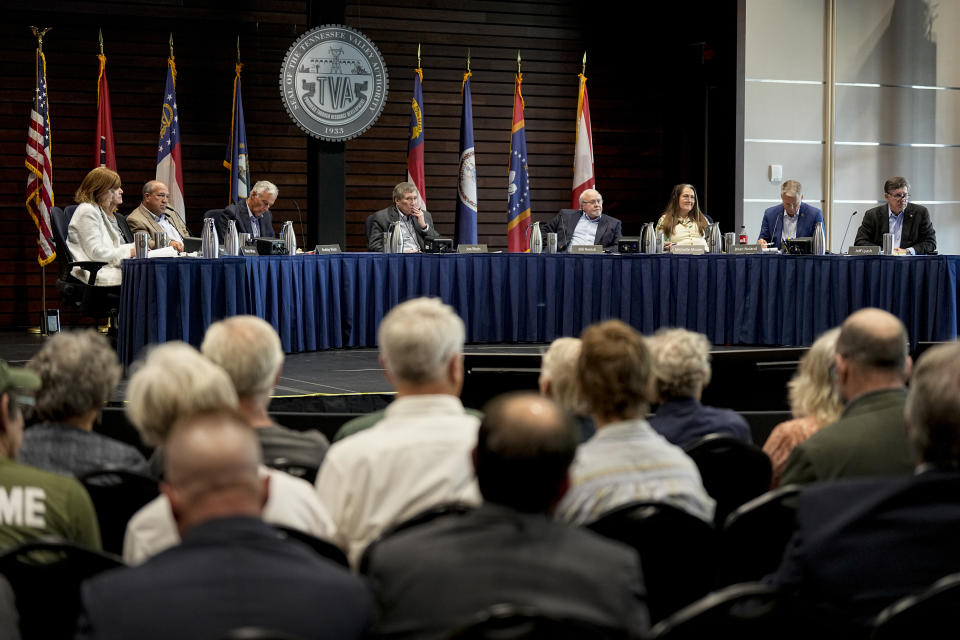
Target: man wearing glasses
(253, 214)
(585, 225)
(909, 223)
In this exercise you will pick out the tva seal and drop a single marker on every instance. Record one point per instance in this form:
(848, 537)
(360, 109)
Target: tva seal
(334, 82)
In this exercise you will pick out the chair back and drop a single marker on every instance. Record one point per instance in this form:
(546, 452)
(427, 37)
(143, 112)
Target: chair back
(368, 227)
(306, 472)
(322, 547)
(676, 549)
(59, 224)
(733, 471)
(447, 509)
(257, 633)
(507, 622)
(755, 536)
(45, 576)
(929, 615)
(116, 496)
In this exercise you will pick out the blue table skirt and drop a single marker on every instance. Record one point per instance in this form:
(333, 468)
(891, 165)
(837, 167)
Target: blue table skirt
(334, 301)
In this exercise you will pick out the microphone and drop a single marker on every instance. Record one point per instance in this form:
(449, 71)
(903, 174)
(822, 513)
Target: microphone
(299, 217)
(177, 214)
(774, 239)
(844, 238)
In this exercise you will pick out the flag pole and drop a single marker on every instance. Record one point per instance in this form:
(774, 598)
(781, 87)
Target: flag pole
(42, 328)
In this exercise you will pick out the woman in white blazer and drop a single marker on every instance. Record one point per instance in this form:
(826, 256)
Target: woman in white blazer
(94, 233)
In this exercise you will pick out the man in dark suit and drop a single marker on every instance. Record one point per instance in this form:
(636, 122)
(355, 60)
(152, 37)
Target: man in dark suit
(253, 214)
(861, 544)
(434, 577)
(416, 222)
(231, 570)
(793, 218)
(910, 224)
(872, 366)
(586, 225)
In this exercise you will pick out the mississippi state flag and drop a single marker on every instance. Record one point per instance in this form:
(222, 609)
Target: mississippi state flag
(518, 186)
(169, 165)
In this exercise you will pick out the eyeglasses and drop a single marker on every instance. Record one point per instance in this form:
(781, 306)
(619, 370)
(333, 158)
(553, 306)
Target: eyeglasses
(899, 196)
(592, 201)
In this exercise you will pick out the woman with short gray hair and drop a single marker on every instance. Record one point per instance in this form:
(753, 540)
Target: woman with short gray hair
(79, 372)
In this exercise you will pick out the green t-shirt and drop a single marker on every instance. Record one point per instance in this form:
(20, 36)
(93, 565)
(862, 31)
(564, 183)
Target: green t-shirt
(35, 504)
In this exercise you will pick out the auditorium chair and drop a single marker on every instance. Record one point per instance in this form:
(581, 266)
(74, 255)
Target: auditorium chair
(748, 611)
(116, 496)
(507, 622)
(677, 552)
(446, 509)
(755, 536)
(302, 471)
(257, 633)
(930, 614)
(45, 576)
(733, 471)
(322, 547)
(91, 301)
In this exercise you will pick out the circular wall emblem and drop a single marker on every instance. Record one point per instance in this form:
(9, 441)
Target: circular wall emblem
(334, 82)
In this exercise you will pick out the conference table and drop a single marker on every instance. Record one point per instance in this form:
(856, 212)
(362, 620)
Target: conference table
(334, 301)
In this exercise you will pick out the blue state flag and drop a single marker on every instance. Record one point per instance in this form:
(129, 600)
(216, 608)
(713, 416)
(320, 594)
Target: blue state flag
(237, 160)
(466, 223)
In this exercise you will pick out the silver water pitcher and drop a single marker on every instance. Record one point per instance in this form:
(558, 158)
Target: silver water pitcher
(289, 238)
(714, 238)
(819, 240)
(231, 239)
(394, 240)
(536, 238)
(209, 242)
(141, 244)
(160, 240)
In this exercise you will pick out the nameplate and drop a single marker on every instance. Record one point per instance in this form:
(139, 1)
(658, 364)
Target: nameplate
(864, 251)
(586, 248)
(326, 248)
(743, 249)
(471, 248)
(687, 250)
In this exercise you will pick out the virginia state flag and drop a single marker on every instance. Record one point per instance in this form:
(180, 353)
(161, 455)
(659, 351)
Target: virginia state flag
(583, 175)
(169, 165)
(518, 190)
(415, 149)
(237, 160)
(466, 224)
(104, 156)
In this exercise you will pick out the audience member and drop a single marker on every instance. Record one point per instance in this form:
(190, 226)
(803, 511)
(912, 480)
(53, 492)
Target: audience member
(416, 224)
(626, 461)
(681, 370)
(682, 222)
(558, 381)
(231, 570)
(418, 456)
(862, 543)
(154, 216)
(436, 576)
(253, 214)
(249, 350)
(872, 367)
(94, 232)
(35, 504)
(79, 371)
(586, 225)
(175, 381)
(814, 402)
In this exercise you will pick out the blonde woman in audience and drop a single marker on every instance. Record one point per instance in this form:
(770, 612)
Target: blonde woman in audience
(558, 381)
(814, 402)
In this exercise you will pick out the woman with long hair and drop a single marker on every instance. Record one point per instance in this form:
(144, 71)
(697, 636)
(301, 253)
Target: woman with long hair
(682, 221)
(94, 232)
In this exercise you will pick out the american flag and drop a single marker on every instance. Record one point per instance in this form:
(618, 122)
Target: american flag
(39, 167)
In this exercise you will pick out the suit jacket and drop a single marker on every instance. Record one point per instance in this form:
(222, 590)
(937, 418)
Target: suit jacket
(238, 211)
(685, 420)
(141, 219)
(385, 217)
(436, 576)
(868, 440)
(807, 219)
(91, 237)
(861, 544)
(564, 223)
(917, 231)
(227, 573)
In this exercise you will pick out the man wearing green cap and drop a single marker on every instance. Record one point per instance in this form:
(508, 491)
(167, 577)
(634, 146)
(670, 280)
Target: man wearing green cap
(35, 503)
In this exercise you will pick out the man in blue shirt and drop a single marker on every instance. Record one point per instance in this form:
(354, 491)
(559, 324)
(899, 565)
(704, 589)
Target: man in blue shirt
(586, 225)
(793, 218)
(909, 223)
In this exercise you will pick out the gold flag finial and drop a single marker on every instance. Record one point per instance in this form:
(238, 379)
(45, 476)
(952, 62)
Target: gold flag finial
(518, 60)
(238, 49)
(38, 34)
(468, 60)
(171, 44)
(418, 55)
(100, 39)
(583, 69)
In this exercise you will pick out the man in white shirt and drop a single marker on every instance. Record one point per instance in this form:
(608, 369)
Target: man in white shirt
(418, 456)
(586, 225)
(153, 216)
